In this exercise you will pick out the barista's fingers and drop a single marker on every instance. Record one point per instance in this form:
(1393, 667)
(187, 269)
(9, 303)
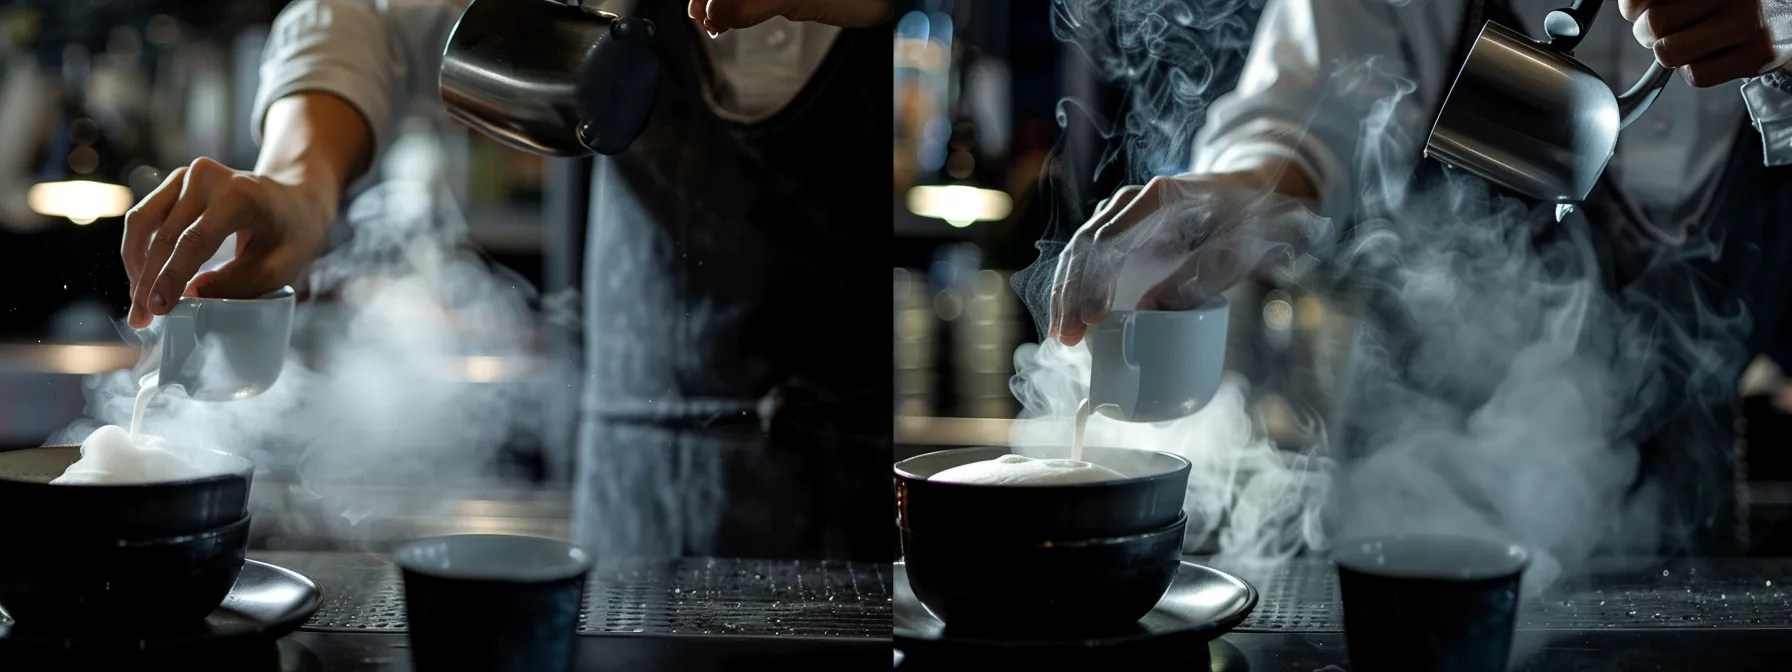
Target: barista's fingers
(1631, 9)
(720, 15)
(1710, 37)
(1131, 206)
(726, 14)
(1060, 318)
(1738, 62)
(1662, 19)
(144, 218)
(1071, 281)
(195, 196)
(1106, 210)
(195, 245)
(697, 10)
(1092, 281)
(237, 278)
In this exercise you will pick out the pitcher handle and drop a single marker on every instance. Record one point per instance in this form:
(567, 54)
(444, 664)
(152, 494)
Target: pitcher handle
(1565, 28)
(180, 338)
(1129, 369)
(1636, 101)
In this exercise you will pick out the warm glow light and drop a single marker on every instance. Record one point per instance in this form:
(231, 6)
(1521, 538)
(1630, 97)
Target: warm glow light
(81, 201)
(959, 205)
(920, 54)
(484, 369)
(75, 359)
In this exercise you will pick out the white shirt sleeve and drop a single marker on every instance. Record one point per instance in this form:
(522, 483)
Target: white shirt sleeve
(378, 55)
(1299, 97)
(1771, 111)
(1769, 107)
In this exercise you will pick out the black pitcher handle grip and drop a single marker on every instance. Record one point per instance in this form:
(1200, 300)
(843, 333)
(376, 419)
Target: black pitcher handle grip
(1566, 27)
(616, 99)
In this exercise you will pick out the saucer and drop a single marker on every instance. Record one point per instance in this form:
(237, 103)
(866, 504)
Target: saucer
(1201, 604)
(267, 603)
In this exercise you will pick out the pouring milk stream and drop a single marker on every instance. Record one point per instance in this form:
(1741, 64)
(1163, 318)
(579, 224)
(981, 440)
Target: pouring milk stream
(211, 350)
(1148, 366)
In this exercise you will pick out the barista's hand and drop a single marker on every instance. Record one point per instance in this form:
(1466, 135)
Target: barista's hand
(1175, 242)
(279, 227)
(719, 16)
(1710, 42)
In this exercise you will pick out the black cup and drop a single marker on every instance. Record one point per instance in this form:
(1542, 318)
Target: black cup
(493, 603)
(1423, 603)
(1084, 587)
(1149, 500)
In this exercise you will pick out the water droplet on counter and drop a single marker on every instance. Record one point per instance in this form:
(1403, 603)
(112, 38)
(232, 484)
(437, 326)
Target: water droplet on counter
(1632, 612)
(1664, 572)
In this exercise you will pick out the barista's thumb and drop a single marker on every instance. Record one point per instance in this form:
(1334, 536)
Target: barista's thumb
(239, 278)
(720, 15)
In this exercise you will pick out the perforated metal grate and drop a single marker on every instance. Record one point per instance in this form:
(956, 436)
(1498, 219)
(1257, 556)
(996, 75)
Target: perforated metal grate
(742, 597)
(360, 593)
(1303, 596)
(1293, 596)
(690, 597)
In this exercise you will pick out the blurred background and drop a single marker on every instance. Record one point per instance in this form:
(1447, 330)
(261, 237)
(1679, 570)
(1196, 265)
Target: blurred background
(977, 84)
(99, 99)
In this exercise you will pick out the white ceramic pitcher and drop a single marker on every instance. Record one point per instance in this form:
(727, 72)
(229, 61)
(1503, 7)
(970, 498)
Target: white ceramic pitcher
(225, 349)
(1157, 365)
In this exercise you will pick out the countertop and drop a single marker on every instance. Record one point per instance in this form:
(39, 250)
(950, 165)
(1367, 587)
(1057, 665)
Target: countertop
(692, 615)
(1730, 614)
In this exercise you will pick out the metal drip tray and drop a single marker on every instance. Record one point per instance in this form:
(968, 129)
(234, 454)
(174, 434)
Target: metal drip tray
(731, 597)
(741, 597)
(1302, 596)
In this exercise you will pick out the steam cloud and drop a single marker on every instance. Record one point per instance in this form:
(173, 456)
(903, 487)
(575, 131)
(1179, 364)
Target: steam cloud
(410, 391)
(1495, 384)
(1167, 53)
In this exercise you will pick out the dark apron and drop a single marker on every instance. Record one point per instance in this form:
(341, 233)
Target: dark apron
(738, 401)
(1691, 448)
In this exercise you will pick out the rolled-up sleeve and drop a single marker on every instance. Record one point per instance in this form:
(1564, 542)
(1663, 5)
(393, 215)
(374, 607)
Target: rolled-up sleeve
(1317, 70)
(380, 56)
(1770, 109)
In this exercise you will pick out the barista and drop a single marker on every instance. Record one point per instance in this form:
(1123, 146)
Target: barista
(723, 273)
(1707, 160)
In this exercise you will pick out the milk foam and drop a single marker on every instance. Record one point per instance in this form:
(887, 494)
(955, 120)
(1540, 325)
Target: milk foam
(1023, 470)
(113, 454)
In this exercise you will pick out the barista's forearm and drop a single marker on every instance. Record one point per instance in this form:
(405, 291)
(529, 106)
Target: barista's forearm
(316, 141)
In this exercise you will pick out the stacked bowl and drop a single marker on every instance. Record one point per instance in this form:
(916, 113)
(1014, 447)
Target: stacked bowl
(1078, 558)
(141, 557)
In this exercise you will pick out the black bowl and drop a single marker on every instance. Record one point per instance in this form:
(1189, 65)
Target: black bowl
(1148, 501)
(1073, 587)
(73, 513)
(144, 585)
